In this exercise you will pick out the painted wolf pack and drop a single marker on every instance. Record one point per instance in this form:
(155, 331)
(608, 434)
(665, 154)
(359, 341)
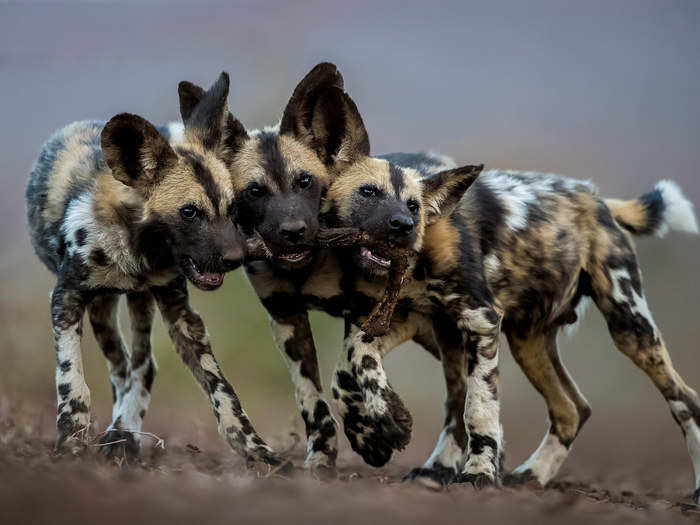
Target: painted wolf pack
(124, 207)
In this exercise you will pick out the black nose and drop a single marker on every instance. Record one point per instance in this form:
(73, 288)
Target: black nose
(293, 231)
(401, 224)
(232, 259)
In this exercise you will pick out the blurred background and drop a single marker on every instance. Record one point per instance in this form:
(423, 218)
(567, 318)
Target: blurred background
(600, 90)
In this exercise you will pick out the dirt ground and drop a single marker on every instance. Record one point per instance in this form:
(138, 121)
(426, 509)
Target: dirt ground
(178, 481)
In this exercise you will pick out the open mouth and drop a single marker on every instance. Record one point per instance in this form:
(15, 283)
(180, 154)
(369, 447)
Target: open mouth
(203, 280)
(294, 257)
(381, 261)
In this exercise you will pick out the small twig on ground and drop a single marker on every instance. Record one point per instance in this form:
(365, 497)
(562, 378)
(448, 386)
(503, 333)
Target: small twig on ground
(160, 442)
(108, 443)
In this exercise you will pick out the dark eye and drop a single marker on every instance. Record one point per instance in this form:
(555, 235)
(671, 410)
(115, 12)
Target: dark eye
(188, 212)
(369, 191)
(304, 180)
(413, 206)
(256, 190)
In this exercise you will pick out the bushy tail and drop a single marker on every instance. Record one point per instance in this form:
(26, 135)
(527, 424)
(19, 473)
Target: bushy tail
(658, 211)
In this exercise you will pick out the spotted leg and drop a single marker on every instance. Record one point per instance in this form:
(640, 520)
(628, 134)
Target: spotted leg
(481, 412)
(73, 418)
(191, 341)
(448, 457)
(538, 357)
(143, 367)
(617, 292)
(295, 342)
(379, 423)
(103, 312)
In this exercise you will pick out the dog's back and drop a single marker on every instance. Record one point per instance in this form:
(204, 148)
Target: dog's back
(67, 167)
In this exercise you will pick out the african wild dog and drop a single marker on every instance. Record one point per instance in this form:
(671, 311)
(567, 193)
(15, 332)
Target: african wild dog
(282, 174)
(114, 209)
(524, 250)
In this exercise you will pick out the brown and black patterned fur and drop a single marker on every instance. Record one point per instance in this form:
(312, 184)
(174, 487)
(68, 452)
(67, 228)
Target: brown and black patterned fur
(533, 247)
(115, 209)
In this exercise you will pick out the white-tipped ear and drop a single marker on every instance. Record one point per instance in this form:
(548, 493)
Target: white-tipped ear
(443, 190)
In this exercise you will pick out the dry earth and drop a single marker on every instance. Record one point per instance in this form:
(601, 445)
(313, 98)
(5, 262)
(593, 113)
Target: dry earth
(187, 482)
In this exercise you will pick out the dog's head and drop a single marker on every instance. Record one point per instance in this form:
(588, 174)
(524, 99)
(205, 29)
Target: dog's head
(283, 174)
(393, 205)
(189, 210)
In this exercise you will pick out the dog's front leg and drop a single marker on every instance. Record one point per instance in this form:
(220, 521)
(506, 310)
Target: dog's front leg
(484, 467)
(73, 418)
(191, 341)
(292, 335)
(375, 419)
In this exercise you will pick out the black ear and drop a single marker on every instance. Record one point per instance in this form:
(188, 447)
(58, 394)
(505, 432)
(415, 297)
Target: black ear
(206, 117)
(321, 115)
(135, 151)
(297, 116)
(443, 190)
(190, 95)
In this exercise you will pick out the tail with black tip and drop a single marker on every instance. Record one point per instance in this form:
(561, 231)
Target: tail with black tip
(657, 212)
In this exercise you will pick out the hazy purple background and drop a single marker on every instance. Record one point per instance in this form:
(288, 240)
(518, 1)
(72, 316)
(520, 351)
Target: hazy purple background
(607, 91)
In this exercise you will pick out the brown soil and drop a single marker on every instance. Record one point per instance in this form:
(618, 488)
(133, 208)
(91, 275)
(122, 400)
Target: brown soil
(185, 482)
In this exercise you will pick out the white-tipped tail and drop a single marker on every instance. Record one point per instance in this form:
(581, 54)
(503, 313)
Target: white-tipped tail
(678, 210)
(657, 212)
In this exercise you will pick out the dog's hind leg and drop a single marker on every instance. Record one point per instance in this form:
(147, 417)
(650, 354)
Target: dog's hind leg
(143, 367)
(103, 312)
(617, 291)
(538, 357)
(449, 455)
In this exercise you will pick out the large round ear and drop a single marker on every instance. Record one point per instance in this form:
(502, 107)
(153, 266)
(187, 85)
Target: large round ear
(443, 190)
(297, 116)
(207, 119)
(135, 151)
(321, 115)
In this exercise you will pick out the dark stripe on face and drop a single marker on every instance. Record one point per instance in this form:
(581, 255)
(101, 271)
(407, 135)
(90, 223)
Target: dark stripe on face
(272, 160)
(204, 177)
(396, 178)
